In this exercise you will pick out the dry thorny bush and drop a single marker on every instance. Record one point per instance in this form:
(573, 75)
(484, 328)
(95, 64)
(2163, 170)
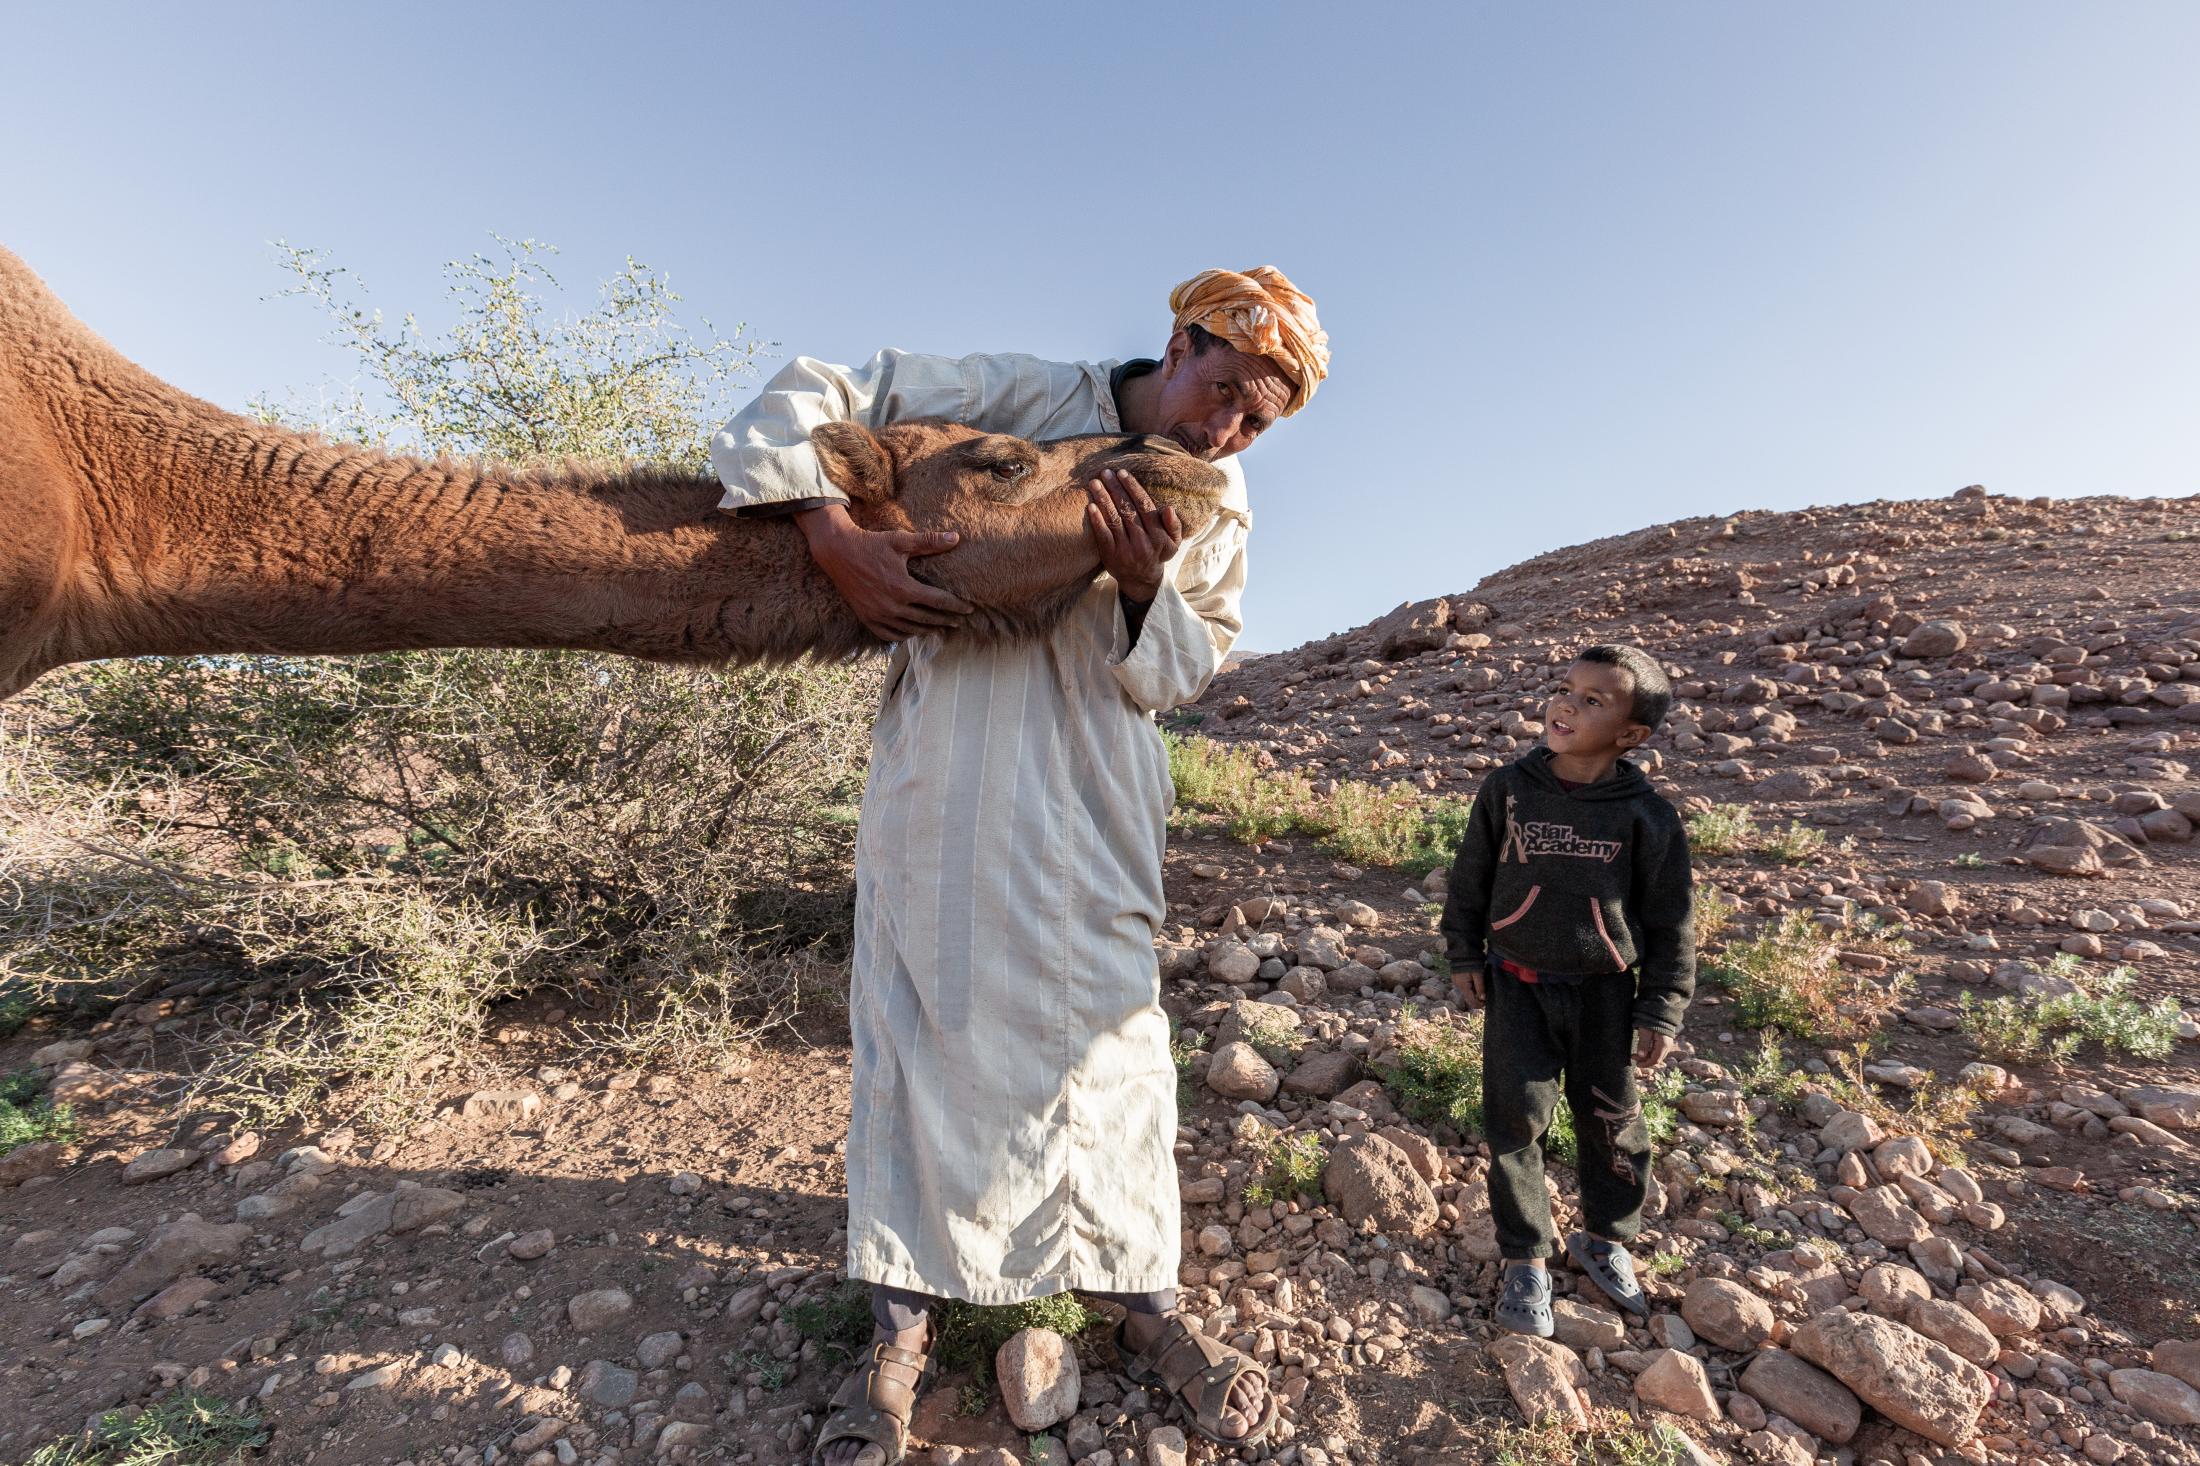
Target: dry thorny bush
(407, 842)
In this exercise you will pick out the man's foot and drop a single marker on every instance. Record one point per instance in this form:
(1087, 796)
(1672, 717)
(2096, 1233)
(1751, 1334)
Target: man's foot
(869, 1425)
(1224, 1389)
(1609, 1266)
(1524, 1307)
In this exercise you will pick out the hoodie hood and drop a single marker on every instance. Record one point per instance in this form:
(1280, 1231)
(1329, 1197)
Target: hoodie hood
(1626, 781)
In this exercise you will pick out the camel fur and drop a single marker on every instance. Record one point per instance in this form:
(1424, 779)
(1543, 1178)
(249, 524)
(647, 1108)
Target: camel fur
(138, 520)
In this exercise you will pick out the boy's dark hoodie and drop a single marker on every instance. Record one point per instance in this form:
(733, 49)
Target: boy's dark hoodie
(1588, 883)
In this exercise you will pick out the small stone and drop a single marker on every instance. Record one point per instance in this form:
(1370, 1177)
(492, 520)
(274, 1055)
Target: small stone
(1237, 1071)
(1677, 1382)
(528, 1246)
(608, 1386)
(1727, 1314)
(658, 1350)
(1038, 1377)
(1545, 1379)
(597, 1309)
(155, 1164)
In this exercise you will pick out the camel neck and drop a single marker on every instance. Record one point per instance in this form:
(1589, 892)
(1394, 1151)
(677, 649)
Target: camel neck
(227, 535)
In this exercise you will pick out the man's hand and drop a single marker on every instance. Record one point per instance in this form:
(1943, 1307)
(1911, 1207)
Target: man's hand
(1469, 983)
(870, 569)
(1136, 537)
(1652, 1049)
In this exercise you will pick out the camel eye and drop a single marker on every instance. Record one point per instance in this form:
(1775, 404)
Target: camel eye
(1011, 471)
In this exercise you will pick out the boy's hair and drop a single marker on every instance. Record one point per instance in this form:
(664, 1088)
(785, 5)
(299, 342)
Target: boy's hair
(1652, 691)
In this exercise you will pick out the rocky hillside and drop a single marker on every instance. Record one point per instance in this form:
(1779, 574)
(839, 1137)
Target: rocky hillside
(1927, 1190)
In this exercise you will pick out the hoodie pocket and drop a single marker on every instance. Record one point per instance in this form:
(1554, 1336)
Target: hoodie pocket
(1611, 929)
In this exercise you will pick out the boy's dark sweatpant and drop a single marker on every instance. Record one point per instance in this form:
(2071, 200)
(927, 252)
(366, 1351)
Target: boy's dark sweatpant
(1534, 1033)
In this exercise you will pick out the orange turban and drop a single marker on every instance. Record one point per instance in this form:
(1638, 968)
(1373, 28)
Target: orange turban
(1260, 313)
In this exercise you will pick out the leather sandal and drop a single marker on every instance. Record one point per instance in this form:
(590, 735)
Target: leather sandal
(1198, 1371)
(873, 1408)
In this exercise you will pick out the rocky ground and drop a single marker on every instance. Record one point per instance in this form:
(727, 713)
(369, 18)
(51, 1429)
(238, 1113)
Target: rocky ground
(1984, 705)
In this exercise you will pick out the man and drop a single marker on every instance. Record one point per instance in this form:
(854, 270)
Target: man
(1014, 1101)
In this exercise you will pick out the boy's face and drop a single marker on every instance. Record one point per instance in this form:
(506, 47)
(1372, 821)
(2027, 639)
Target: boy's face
(1590, 712)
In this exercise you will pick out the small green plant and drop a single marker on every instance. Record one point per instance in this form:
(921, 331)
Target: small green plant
(1790, 977)
(968, 1336)
(1798, 844)
(772, 1374)
(1937, 1113)
(26, 1117)
(1746, 1230)
(1291, 1166)
(1723, 829)
(1611, 1441)
(17, 1004)
(1970, 860)
(1436, 1077)
(1182, 1052)
(1769, 1073)
(839, 1322)
(1714, 913)
(1271, 1032)
(1666, 1264)
(185, 1429)
(2015, 1028)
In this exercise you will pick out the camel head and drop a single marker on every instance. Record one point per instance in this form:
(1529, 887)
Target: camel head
(1025, 554)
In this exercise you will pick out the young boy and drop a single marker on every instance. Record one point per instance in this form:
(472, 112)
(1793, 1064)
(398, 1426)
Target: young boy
(1570, 918)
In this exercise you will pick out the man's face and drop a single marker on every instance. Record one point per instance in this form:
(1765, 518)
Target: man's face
(1592, 711)
(1217, 402)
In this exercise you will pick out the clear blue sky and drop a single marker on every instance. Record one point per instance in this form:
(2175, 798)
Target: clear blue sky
(1585, 267)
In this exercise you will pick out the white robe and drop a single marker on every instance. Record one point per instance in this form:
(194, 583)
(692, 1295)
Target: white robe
(1014, 1106)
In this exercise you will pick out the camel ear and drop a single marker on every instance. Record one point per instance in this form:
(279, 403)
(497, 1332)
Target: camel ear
(854, 459)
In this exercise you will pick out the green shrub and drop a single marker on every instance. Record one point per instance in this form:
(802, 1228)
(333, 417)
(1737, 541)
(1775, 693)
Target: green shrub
(838, 1322)
(1436, 1076)
(1790, 977)
(185, 1429)
(1723, 829)
(26, 1117)
(1360, 823)
(969, 1335)
(2015, 1028)
(1713, 914)
(1798, 844)
(1291, 1166)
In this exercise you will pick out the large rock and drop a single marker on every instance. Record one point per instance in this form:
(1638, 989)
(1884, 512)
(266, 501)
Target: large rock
(2003, 1306)
(1545, 1379)
(1413, 628)
(1677, 1382)
(1581, 1327)
(370, 1214)
(2161, 1398)
(1037, 1371)
(39, 1158)
(1367, 1176)
(1935, 639)
(1804, 1393)
(182, 1246)
(2076, 848)
(2173, 1107)
(1954, 1325)
(2180, 1357)
(1916, 1383)
(1237, 1071)
(156, 1164)
(1321, 1074)
(1886, 1216)
(597, 1309)
(1727, 1314)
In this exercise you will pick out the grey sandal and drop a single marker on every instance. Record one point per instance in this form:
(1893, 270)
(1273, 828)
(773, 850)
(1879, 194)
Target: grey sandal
(1198, 1371)
(1524, 1307)
(874, 1409)
(1609, 1266)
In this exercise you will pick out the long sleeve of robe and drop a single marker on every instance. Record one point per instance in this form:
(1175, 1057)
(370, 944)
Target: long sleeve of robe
(1014, 1102)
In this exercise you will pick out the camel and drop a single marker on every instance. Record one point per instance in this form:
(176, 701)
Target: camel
(138, 520)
